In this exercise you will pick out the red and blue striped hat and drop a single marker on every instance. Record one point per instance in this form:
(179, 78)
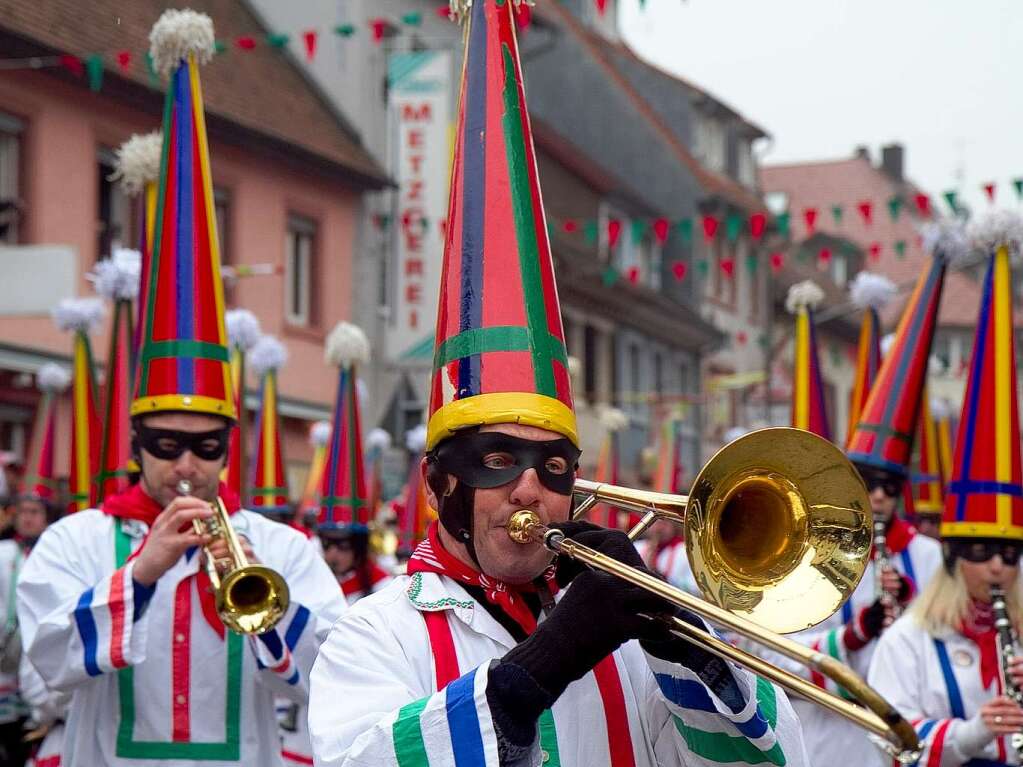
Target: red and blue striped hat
(344, 499)
(809, 410)
(500, 347)
(883, 438)
(928, 488)
(871, 293)
(41, 482)
(985, 494)
(183, 355)
(268, 486)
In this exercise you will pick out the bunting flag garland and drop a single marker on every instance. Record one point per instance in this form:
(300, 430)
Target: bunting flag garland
(989, 190)
(836, 214)
(710, 228)
(80, 317)
(894, 206)
(866, 210)
(757, 225)
(810, 218)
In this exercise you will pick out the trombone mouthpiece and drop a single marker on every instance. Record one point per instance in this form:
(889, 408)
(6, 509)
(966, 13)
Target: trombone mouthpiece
(184, 487)
(520, 526)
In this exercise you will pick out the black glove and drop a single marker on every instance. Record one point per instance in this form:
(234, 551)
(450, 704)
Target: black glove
(871, 619)
(598, 613)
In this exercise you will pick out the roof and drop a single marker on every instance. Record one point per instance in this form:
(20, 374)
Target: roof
(714, 184)
(262, 91)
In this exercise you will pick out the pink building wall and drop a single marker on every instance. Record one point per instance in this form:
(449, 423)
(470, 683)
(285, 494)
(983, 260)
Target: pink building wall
(66, 126)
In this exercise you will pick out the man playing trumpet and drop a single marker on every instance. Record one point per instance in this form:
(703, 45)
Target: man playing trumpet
(484, 653)
(116, 603)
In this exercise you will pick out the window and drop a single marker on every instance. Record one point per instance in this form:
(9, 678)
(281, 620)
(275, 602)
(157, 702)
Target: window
(119, 222)
(747, 168)
(590, 363)
(299, 269)
(710, 142)
(222, 213)
(11, 211)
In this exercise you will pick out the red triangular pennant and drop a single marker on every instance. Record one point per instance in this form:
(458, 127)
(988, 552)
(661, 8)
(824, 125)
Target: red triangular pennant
(710, 227)
(679, 269)
(614, 231)
(309, 37)
(661, 228)
(875, 251)
(923, 204)
(757, 224)
(810, 217)
(865, 208)
(245, 43)
(824, 256)
(777, 262)
(601, 6)
(378, 26)
(989, 190)
(124, 60)
(728, 267)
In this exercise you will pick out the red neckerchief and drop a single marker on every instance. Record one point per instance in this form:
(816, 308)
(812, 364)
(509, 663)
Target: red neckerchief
(979, 627)
(135, 503)
(352, 584)
(430, 556)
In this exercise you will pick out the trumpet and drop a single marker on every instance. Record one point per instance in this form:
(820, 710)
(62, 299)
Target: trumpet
(250, 598)
(778, 535)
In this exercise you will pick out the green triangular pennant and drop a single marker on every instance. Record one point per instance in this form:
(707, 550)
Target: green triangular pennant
(702, 267)
(685, 230)
(733, 225)
(751, 263)
(219, 46)
(900, 248)
(94, 71)
(345, 30)
(1017, 184)
(950, 199)
(637, 229)
(590, 232)
(836, 213)
(783, 224)
(609, 276)
(894, 206)
(413, 19)
(277, 39)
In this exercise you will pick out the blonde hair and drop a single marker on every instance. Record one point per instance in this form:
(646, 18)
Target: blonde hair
(945, 603)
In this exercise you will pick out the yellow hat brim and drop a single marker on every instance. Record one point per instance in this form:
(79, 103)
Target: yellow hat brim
(524, 408)
(186, 403)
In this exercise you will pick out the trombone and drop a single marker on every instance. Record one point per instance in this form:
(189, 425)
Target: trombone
(250, 598)
(778, 532)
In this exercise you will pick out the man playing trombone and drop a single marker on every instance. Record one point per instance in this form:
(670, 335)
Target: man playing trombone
(121, 609)
(484, 653)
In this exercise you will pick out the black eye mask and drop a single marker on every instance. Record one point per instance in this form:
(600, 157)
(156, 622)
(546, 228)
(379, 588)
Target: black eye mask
(464, 458)
(169, 444)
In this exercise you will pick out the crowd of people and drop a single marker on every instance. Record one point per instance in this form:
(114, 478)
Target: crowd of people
(134, 634)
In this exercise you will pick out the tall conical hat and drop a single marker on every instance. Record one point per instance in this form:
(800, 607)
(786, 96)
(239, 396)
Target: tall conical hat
(414, 512)
(40, 481)
(377, 441)
(344, 502)
(500, 346)
(117, 280)
(242, 334)
(947, 426)
(268, 486)
(138, 170)
(809, 410)
(319, 437)
(871, 293)
(183, 355)
(985, 494)
(883, 439)
(80, 316)
(928, 487)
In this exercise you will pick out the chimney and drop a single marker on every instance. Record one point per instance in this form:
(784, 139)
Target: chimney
(891, 161)
(862, 152)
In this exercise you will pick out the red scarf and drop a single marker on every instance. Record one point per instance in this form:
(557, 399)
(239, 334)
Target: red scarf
(135, 503)
(979, 627)
(430, 556)
(900, 533)
(352, 583)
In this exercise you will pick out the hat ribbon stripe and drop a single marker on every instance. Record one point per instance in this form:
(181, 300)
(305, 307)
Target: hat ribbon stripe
(269, 427)
(883, 430)
(254, 474)
(333, 459)
(965, 487)
(184, 230)
(526, 232)
(969, 428)
(802, 382)
(926, 293)
(185, 349)
(499, 338)
(1003, 378)
(474, 147)
(354, 467)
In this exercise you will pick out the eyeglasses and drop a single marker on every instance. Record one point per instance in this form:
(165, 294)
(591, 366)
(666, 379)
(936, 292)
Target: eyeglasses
(984, 551)
(170, 444)
(888, 487)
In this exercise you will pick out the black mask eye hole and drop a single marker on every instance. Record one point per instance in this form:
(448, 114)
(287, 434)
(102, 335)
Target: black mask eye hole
(498, 461)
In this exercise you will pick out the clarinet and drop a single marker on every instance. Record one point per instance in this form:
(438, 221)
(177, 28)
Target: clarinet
(882, 562)
(1006, 642)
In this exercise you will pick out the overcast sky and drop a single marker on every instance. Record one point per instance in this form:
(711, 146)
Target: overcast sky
(944, 77)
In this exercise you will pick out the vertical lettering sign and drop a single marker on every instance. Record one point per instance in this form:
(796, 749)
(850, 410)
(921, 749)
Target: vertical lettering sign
(420, 95)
